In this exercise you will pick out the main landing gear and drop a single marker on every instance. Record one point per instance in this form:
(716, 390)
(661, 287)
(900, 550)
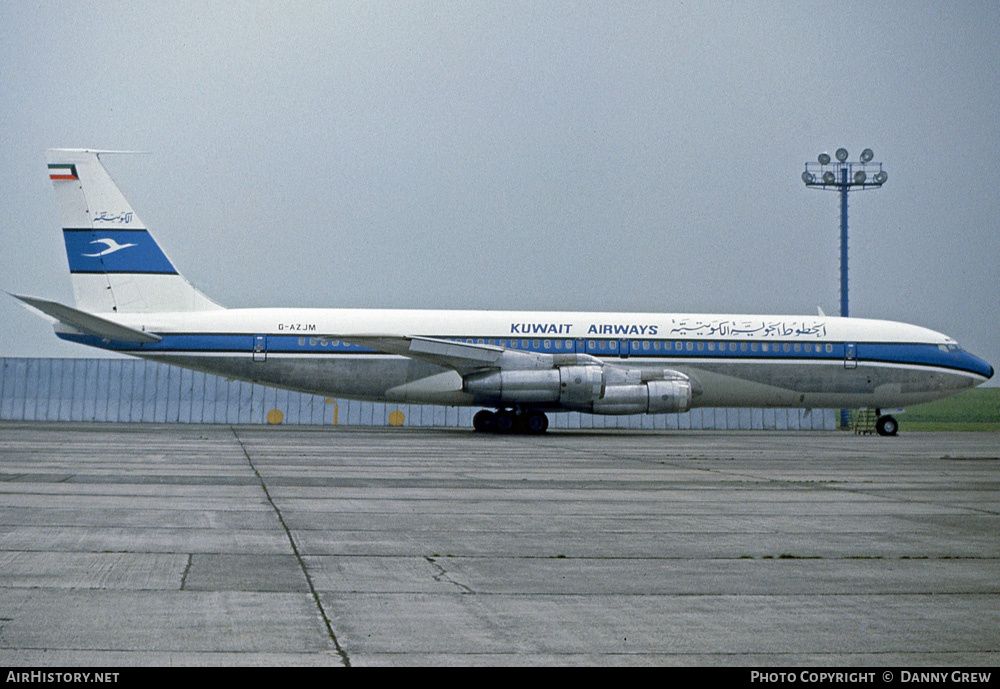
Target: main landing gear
(510, 421)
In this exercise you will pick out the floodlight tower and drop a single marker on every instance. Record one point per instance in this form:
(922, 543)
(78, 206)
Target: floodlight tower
(844, 177)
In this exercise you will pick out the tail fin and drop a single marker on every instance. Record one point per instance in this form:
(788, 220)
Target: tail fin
(114, 262)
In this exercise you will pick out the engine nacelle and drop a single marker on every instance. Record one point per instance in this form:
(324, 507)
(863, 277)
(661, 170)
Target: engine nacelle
(570, 386)
(514, 387)
(580, 385)
(585, 387)
(652, 397)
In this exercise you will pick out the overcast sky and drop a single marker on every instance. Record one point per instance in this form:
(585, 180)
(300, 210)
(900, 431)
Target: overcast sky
(518, 155)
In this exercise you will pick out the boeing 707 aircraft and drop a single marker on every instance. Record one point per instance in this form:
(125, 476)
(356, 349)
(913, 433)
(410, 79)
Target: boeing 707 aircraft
(130, 298)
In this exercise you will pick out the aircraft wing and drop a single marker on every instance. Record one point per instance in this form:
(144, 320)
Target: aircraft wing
(465, 357)
(87, 322)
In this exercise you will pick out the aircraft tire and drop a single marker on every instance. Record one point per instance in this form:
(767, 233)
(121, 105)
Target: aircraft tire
(484, 421)
(506, 422)
(886, 425)
(536, 422)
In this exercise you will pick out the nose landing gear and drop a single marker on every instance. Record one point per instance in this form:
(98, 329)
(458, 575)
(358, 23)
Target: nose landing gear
(886, 425)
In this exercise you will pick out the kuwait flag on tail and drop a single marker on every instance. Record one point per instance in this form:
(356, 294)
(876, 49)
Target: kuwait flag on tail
(62, 171)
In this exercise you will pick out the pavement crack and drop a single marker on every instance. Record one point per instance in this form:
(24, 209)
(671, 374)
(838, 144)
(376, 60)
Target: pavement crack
(443, 576)
(187, 569)
(298, 556)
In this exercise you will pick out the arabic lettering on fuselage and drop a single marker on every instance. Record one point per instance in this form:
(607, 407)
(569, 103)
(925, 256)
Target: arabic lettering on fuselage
(747, 328)
(121, 218)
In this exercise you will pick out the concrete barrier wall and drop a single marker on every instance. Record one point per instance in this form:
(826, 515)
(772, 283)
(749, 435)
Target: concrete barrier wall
(135, 390)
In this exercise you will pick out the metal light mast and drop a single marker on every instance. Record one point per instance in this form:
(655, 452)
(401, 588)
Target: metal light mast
(844, 177)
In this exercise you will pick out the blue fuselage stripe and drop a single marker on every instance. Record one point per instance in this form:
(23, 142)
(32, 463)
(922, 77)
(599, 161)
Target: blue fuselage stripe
(675, 350)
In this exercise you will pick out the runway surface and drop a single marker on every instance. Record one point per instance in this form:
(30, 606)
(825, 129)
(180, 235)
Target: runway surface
(218, 545)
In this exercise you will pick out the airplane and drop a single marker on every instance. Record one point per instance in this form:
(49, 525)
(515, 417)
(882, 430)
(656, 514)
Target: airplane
(518, 366)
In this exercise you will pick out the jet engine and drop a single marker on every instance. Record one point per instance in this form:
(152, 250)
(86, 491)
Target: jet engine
(651, 397)
(588, 388)
(571, 385)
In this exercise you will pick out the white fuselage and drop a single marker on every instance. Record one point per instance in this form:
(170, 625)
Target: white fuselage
(732, 360)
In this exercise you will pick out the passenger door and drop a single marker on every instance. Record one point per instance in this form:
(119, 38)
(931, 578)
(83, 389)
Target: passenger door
(260, 348)
(850, 355)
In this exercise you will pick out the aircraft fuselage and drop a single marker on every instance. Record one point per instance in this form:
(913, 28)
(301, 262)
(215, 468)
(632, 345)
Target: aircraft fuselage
(742, 360)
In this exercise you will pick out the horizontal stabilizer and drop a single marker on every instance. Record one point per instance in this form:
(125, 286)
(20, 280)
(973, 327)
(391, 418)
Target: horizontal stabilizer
(87, 322)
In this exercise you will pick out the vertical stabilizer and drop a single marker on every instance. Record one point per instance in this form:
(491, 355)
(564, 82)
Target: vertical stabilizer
(114, 262)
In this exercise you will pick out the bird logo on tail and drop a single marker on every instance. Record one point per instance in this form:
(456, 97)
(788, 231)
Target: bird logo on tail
(112, 245)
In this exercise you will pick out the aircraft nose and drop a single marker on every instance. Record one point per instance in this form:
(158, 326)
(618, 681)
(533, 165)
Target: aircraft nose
(977, 365)
(987, 368)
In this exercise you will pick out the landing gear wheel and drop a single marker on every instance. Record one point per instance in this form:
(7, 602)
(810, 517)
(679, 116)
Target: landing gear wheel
(484, 421)
(536, 422)
(886, 425)
(505, 421)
